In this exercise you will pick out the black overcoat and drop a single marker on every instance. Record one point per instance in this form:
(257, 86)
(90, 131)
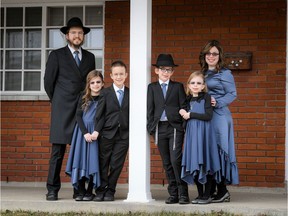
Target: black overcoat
(63, 83)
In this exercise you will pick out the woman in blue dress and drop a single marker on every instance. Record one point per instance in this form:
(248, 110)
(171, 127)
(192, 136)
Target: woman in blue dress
(83, 162)
(200, 161)
(221, 87)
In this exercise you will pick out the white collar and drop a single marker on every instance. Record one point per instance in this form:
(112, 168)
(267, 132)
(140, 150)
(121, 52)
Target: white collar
(73, 50)
(116, 88)
(161, 82)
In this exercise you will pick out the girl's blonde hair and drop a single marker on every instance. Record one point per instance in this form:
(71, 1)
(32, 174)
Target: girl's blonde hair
(87, 96)
(192, 75)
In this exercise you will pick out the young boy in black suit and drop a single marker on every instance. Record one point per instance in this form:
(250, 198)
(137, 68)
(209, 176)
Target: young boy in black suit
(164, 100)
(112, 127)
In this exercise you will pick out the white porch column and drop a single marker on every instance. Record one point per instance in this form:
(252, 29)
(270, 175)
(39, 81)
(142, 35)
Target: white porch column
(140, 64)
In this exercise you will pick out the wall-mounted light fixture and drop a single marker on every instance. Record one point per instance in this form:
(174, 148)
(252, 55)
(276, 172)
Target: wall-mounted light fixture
(239, 60)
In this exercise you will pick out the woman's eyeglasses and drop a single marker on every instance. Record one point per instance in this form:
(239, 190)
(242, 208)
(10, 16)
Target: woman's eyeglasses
(214, 54)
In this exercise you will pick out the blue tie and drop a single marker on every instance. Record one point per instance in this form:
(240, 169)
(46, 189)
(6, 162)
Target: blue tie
(77, 58)
(163, 116)
(120, 98)
(163, 85)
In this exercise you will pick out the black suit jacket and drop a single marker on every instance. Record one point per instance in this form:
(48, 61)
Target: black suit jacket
(110, 116)
(175, 100)
(63, 83)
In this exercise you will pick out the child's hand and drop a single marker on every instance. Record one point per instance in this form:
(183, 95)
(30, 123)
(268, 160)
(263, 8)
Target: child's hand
(88, 137)
(186, 116)
(182, 112)
(95, 135)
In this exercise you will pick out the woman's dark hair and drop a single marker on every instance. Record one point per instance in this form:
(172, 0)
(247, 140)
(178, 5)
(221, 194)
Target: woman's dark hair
(205, 50)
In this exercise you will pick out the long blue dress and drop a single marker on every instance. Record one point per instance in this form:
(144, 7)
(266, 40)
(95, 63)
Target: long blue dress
(222, 87)
(200, 154)
(83, 156)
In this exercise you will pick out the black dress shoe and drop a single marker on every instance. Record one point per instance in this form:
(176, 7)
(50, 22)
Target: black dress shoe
(196, 200)
(184, 200)
(108, 197)
(52, 196)
(172, 200)
(79, 198)
(88, 197)
(205, 200)
(99, 197)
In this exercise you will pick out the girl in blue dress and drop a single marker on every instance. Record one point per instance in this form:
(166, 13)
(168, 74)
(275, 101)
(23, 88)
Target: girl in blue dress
(83, 162)
(221, 87)
(200, 161)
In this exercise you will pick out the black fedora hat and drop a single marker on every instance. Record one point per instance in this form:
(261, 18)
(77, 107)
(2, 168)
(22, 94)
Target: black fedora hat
(165, 60)
(74, 22)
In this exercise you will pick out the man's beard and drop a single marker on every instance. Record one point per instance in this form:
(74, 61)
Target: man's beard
(76, 46)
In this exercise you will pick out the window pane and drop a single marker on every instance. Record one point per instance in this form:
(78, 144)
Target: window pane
(94, 15)
(33, 38)
(14, 17)
(33, 16)
(13, 59)
(55, 16)
(98, 58)
(2, 38)
(32, 81)
(55, 39)
(98, 63)
(94, 39)
(32, 60)
(1, 81)
(14, 38)
(13, 81)
(1, 59)
(2, 17)
(74, 12)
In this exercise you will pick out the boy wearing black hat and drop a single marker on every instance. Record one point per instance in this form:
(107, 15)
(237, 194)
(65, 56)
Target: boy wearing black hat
(64, 79)
(164, 100)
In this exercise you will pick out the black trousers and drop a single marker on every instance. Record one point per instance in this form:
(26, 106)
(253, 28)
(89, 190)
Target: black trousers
(171, 154)
(55, 165)
(112, 155)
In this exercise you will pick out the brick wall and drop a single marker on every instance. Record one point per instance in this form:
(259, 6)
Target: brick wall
(182, 28)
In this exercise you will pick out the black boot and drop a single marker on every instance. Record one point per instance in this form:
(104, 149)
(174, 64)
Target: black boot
(206, 196)
(81, 190)
(222, 193)
(89, 196)
(199, 189)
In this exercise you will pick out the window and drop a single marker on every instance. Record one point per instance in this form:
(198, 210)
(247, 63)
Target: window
(27, 39)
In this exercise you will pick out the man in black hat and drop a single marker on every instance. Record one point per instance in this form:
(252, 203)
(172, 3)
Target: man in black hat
(164, 100)
(64, 79)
